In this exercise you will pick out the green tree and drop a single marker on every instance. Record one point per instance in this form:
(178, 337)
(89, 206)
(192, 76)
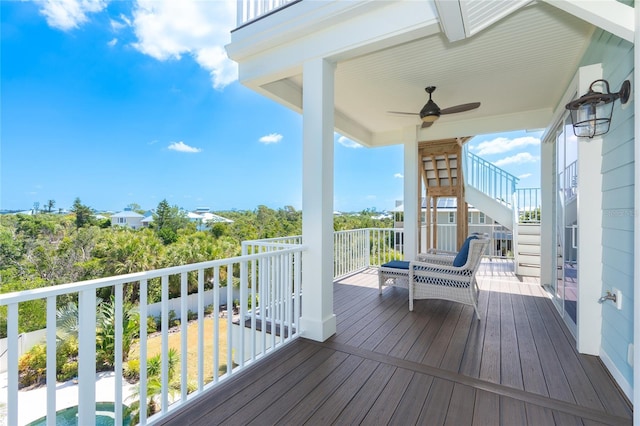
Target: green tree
(167, 220)
(84, 215)
(50, 205)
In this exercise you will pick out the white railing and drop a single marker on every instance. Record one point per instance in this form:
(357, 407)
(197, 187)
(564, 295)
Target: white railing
(353, 250)
(489, 178)
(500, 245)
(527, 202)
(249, 10)
(270, 280)
(358, 249)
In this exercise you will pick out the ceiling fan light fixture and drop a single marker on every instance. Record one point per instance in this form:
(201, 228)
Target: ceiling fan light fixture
(430, 118)
(430, 112)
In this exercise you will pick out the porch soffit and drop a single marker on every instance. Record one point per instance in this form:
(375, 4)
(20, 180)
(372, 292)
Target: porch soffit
(517, 68)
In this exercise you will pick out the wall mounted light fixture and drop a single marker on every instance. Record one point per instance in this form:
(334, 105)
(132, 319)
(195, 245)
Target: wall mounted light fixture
(591, 113)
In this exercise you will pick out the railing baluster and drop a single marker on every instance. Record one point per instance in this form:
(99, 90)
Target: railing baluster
(117, 356)
(12, 363)
(184, 325)
(216, 323)
(143, 351)
(164, 364)
(229, 318)
(51, 360)
(86, 357)
(200, 329)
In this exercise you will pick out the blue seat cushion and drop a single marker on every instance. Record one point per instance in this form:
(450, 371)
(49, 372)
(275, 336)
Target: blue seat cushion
(398, 264)
(463, 254)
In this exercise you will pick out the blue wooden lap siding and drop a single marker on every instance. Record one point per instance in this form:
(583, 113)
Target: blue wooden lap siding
(617, 169)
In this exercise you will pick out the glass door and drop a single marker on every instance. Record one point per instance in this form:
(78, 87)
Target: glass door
(566, 286)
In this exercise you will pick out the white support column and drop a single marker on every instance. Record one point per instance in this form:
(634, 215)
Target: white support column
(636, 221)
(589, 231)
(411, 202)
(318, 321)
(548, 272)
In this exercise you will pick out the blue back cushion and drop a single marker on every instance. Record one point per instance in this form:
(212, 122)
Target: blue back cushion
(461, 257)
(400, 264)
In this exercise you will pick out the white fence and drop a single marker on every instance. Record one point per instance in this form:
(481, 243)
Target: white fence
(25, 342)
(270, 280)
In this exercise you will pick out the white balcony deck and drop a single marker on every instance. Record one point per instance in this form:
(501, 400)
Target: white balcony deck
(436, 365)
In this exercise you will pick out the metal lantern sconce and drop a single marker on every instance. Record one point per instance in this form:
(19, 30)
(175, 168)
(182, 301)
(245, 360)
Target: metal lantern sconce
(591, 113)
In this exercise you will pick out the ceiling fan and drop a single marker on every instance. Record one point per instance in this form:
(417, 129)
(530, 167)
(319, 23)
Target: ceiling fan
(430, 112)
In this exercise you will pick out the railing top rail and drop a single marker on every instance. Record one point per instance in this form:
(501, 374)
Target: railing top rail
(489, 164)
(57, 290)
(273, 239)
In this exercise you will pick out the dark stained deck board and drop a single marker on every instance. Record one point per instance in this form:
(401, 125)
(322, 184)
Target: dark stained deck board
(510, 368)
(532, 372)
(362, 401)
(408, 410)
(490, 364)
(385, 405)
(461, 406)
(329, 411)
(436, 365)
(486, 409)
(582, 388)
(437, 404)
(554, 376)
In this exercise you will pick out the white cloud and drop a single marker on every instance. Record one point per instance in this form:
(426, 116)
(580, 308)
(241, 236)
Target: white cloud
(69, 14)
(523, 157)
(398, 175)
(271, 138)
(169, 29)
(502, 144)
(118, 25)
(348, 142)
(113, 42)
(183, 147)
(524, 176)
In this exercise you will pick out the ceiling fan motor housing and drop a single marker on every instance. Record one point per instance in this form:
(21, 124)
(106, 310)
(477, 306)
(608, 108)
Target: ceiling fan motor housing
(430, 112)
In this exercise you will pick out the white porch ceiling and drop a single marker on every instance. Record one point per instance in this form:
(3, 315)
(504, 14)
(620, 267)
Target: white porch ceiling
(518, 68)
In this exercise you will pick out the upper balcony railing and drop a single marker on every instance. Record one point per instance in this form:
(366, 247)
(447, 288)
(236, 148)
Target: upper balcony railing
(265, 280)
(250, 10)
(489, 178)
(269, 281)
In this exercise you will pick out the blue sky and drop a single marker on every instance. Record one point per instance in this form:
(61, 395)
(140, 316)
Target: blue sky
(133, 102)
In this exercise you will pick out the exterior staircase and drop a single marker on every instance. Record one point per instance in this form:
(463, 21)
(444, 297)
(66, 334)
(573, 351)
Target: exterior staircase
(450, 170)
(495, 192)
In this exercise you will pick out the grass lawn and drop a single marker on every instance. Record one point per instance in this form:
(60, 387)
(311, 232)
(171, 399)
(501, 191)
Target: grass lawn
(154, 345)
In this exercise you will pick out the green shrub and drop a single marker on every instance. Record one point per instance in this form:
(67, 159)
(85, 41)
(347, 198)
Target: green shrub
(132, 371)
(191, 315)
(32, 366)
(208, 310)
(152, 324)
(69, 370)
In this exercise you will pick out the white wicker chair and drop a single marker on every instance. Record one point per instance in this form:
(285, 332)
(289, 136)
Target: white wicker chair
(433, 276)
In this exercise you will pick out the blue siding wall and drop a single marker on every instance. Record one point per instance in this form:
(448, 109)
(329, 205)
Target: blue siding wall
(617, 171)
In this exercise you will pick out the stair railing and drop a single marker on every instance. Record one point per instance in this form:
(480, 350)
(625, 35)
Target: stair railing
(489, 178)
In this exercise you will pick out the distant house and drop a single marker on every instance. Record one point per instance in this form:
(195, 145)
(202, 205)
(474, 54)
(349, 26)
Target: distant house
(127, 218)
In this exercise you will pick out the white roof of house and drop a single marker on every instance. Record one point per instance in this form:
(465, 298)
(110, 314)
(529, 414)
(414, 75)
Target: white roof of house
(210, 217)
(128, 213)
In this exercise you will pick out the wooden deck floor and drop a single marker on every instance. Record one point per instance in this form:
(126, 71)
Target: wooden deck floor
(436, 365)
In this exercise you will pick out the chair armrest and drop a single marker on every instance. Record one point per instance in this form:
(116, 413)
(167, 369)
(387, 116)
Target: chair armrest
(440, 252)
(439, 259)
(436, 267)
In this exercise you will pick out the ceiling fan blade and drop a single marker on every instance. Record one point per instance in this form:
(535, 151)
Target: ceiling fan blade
(426, 124)
(460, 108)
(402, 113)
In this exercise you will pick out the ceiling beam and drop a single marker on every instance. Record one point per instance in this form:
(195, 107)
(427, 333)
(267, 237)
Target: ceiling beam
(451, 21)
(610, 15)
